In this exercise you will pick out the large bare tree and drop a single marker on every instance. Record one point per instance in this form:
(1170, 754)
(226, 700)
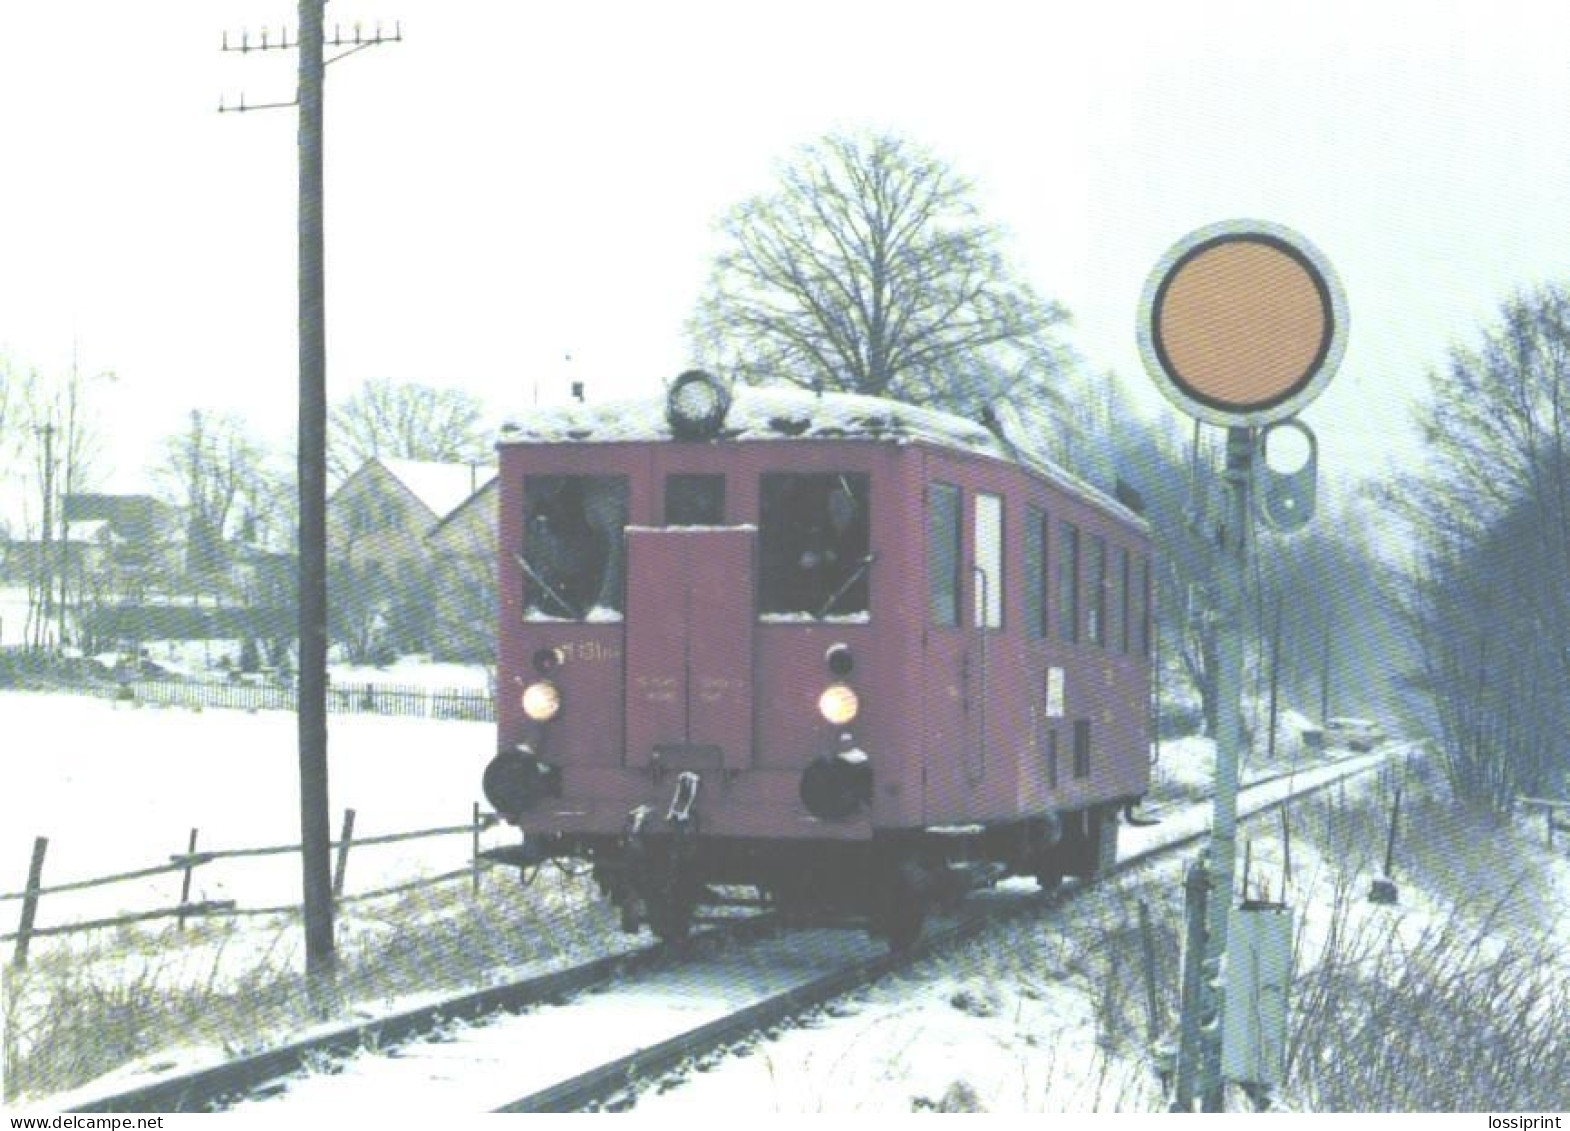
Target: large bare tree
(870, 271)
(1486, 598)
(405, 421)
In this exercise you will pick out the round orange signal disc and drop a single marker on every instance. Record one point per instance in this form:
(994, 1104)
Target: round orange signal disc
(1242, 324)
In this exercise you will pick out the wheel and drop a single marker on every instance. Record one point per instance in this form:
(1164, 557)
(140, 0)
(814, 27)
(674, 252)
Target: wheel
(901, 908)
(671, 919)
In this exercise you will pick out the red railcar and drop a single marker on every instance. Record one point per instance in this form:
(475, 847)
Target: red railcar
(853, 654)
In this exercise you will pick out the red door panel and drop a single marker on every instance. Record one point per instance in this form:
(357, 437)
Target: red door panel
(689, 646)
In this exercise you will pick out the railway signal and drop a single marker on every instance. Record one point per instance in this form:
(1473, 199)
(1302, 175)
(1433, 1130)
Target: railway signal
(1241, 325)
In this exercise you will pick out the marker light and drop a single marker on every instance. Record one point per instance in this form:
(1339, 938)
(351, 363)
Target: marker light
(697, 404)
(838, 704)
(541, 701)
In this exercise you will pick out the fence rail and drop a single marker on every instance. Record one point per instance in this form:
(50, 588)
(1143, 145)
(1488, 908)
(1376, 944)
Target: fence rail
(186, 863)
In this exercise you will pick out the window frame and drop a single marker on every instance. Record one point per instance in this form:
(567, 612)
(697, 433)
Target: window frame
(1068, 582)
(997, 586)
(954, 595)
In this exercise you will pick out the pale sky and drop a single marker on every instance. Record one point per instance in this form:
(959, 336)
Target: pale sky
(516, 183)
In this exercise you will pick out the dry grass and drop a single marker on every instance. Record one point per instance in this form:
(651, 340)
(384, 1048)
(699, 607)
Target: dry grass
(1459, 1006)
(79, 1011)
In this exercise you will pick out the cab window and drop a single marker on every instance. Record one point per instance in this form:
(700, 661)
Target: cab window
(572, 546)
(814, 541)
(694, 500)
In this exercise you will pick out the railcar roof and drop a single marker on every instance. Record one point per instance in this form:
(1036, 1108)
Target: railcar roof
(776, 413)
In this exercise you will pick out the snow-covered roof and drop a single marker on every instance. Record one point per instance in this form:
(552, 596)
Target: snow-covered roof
(88, 531)
(785, 413)
(442, 487)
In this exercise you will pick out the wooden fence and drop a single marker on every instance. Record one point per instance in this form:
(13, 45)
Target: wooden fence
(188, 861)
(369, 698)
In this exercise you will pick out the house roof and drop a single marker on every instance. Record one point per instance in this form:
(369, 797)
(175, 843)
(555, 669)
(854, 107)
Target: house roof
(451, 516)
(441, 487)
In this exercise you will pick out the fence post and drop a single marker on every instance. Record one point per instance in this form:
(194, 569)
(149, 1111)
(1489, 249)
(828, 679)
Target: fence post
(1147, 938)
(343, 853)
(474, 854)
(185, 882)
(35, 877)
(1196, 892)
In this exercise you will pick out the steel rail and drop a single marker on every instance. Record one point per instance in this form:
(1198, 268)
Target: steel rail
(604, 1084)
(212, 1087)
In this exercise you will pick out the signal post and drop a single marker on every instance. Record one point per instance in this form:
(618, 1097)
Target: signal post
(1241, 324)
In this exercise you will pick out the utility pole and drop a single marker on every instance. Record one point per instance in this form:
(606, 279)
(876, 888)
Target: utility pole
(311, 710)
(1231, 612)
(46, 561)
(315, 824)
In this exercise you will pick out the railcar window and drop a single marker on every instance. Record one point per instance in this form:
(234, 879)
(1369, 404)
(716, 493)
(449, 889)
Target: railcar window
(943, 554)
(694, 500)
(572, 546)
(1035, 572)
(1068, 581)
(1124, 609)
(1052, 758)
(814, 538)
(1096, 611)
(989, 561)
(1145, 607)
(1081, 748)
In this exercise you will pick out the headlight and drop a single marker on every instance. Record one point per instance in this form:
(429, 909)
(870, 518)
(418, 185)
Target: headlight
(541, 701)
(838, 704)
(697, 404)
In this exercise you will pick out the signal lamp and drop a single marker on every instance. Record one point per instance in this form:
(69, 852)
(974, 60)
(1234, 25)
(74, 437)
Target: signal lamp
(838, 704)
(696, 405)
(541, 701)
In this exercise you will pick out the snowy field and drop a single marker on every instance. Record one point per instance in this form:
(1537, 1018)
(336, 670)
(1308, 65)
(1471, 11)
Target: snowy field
(117, 788)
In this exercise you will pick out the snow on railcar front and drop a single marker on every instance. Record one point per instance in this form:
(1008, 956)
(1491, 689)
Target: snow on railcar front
(734, 653)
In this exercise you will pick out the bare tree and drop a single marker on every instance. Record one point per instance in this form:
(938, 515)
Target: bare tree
(405, 421)
(214, 471)
(60, 446)
(1486, 596)
(870, 271)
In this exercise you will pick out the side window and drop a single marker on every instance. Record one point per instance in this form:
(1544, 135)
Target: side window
(943, 554)
(1125, 610)
(1146, 607)
(1081, 748)
(573, 546)
(814, 538)
(1035, 572)
(989, 561)
(1068, 581)
(1096, 612)
(694, 500)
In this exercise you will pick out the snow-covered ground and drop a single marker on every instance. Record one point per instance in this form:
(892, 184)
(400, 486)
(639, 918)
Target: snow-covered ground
(117, 788)
(1016, 1024)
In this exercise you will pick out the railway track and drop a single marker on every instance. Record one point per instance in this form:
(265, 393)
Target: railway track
(586, 1036)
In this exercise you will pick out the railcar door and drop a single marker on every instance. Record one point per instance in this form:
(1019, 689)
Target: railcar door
(689, 625)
